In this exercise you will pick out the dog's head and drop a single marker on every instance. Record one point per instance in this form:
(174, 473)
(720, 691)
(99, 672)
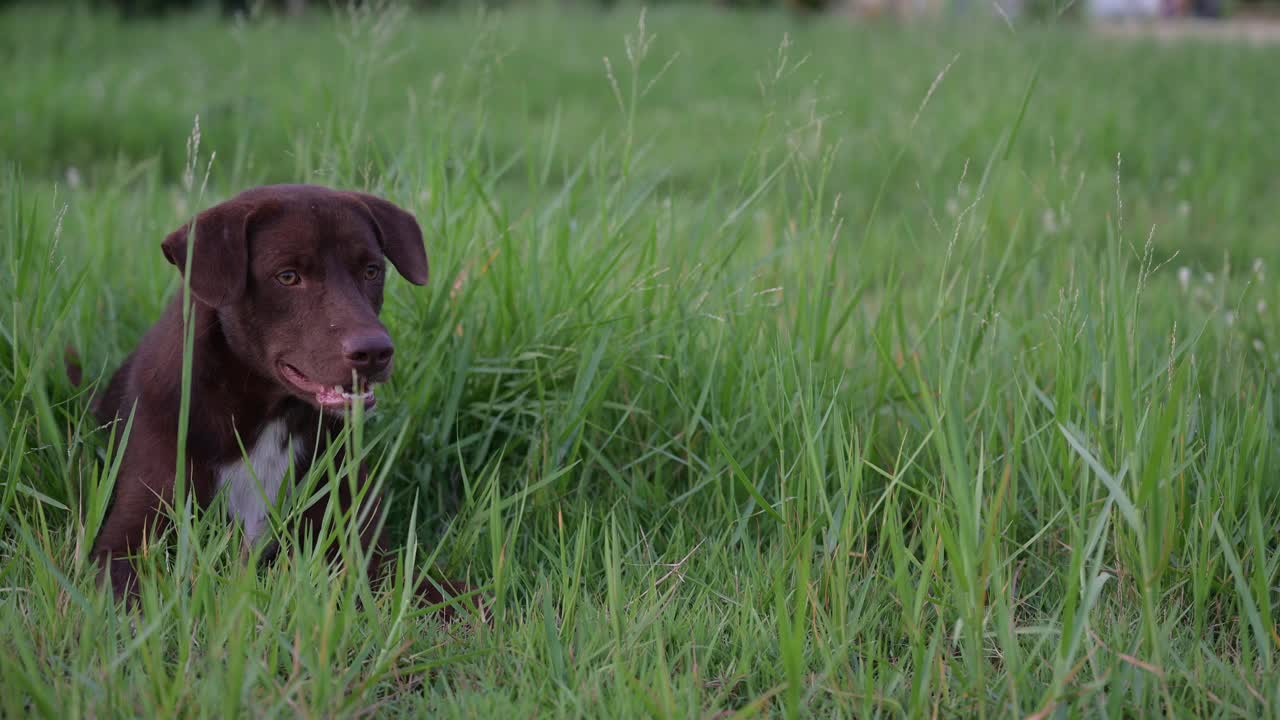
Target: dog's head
(296, 274)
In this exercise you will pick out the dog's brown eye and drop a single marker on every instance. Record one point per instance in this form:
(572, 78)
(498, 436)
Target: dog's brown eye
(371, 272)
(287, 277)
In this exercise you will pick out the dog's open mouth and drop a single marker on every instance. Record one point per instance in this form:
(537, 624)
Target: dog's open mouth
(329, 397)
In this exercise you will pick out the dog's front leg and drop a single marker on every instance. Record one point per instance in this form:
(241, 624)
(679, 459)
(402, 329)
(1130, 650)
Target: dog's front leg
(381, 557)
(136, 516)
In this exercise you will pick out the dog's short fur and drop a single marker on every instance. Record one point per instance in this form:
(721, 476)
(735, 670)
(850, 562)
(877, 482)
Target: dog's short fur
(286, 285)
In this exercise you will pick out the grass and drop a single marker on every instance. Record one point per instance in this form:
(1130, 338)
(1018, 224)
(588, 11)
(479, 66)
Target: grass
(770, 368)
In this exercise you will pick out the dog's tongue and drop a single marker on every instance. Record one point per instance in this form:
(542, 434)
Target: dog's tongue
(332, 397)
(335, 397)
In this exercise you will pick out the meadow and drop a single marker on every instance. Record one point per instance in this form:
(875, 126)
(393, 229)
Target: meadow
(770, 366)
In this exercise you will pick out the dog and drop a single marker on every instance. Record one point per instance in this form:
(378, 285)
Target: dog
(286, 286)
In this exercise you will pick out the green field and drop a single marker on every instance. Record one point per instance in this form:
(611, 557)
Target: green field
(776, 366)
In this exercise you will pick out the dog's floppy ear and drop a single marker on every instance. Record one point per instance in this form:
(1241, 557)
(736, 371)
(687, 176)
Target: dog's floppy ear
(220, 266)
(400, 237)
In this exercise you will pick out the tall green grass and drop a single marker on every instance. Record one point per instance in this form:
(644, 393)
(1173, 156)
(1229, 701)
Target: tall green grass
(767, 368)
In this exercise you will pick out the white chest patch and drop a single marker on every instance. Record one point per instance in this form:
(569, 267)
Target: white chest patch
(253, 487)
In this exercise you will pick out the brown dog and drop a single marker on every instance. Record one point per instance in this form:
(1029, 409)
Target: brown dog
(286, 287)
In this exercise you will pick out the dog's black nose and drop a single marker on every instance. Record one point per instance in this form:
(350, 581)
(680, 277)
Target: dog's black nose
(368, 354)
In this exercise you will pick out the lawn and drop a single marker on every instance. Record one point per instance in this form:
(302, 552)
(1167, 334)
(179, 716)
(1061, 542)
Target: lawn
(769, 366)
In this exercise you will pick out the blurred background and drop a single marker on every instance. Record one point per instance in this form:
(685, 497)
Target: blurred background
(896, 9)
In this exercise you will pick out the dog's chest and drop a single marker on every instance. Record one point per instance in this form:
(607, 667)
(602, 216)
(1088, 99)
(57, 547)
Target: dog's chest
(252, 487)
